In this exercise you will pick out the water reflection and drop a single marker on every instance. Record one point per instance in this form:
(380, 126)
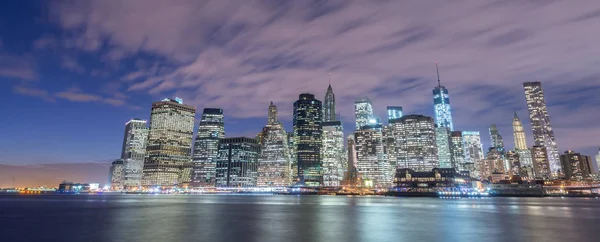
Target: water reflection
(295, 218)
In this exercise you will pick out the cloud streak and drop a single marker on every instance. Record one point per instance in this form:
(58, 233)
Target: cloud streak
(239, 55)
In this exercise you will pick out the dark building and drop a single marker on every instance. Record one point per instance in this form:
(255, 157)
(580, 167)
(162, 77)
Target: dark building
(237, 162)
(308, 138)
(70, 187)
(576, 166)
(430, 181)
(206, 147)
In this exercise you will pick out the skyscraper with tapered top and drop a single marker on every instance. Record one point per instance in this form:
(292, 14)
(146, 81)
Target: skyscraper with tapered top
(206, 147)
(274, 164)
(308, 133)
(168, 161)
(441, 104)
(519, 133)
(543, 135)
(329, 104)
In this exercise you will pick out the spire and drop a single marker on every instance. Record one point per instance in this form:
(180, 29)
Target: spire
(438, 74)
(516, 117)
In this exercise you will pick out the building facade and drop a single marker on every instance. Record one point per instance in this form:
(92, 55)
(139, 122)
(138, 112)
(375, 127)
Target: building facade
(371, 162)
(363, 112)
(206, 146)
(133, 152)
(415, 142)
(541, 165)
(457, 149)
(394, 112)
(332, 153)
(443, 142)
(237, 162)
(473, 151)
(116, 174)
(274, 162)
(576, 166)
(543, 135)
(308, 133)
(515, 164)
(168, 161)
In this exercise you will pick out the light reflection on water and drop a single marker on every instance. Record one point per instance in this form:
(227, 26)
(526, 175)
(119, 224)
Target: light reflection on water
(295, 218)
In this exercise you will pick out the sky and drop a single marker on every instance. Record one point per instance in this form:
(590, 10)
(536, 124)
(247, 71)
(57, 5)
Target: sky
(73, 72)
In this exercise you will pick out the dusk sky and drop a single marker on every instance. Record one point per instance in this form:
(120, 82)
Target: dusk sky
(73, 72)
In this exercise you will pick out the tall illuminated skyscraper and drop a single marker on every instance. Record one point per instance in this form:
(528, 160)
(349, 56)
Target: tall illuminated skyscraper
(441, 104)
(329, 104)
(371, 163)
(293, 157)
(443, 142)
(543, 135)
(206, 146)
(457, 149)
(351, 176)
(168, 161)
(332, 153)
(415, 142)
(394, 112)
(133, 152)
(519, 133)
(541, 165)
(237, 162)
(274, 164)
(363, 112)
(308, 133)
(473, 151)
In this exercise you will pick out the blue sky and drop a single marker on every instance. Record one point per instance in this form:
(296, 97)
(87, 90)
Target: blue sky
(73, 72)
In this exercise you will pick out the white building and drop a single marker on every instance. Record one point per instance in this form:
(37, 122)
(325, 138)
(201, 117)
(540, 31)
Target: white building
(332, 153)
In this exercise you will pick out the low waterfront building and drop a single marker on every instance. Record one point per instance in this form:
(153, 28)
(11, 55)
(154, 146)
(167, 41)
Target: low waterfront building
(435, 180)
(117, 174)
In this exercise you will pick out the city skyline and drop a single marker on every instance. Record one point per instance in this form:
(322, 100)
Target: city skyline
(104, 79)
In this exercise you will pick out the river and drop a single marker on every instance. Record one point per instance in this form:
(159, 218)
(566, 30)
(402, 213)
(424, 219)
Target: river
(290, 218)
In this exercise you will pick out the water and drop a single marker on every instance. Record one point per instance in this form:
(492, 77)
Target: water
(265, 218)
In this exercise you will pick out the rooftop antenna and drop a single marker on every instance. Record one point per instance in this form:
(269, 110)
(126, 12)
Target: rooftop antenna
(330, 78)
(438, 74)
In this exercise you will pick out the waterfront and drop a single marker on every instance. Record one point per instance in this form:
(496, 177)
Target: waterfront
(294, 218)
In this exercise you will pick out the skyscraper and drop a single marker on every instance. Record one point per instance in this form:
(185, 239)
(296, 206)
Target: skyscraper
(441, 104)
(363, 112)
(457, 149)
(415, 142)
(394, 112)
(332, 153)
(515, 164)
(597, 162)
(351, 176)
(206, 146)
(116, 174)
(519, 133)
(473, 150)
(329, 104)
(272, 114)
(274, 164)
(293, 157)
(168, 160)
(133, 152)
(543, 135)
(541, 166)
(372, 163)
(576, 166)
(237, 162)
(443, 143)
(308, 134)
(496, 138)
